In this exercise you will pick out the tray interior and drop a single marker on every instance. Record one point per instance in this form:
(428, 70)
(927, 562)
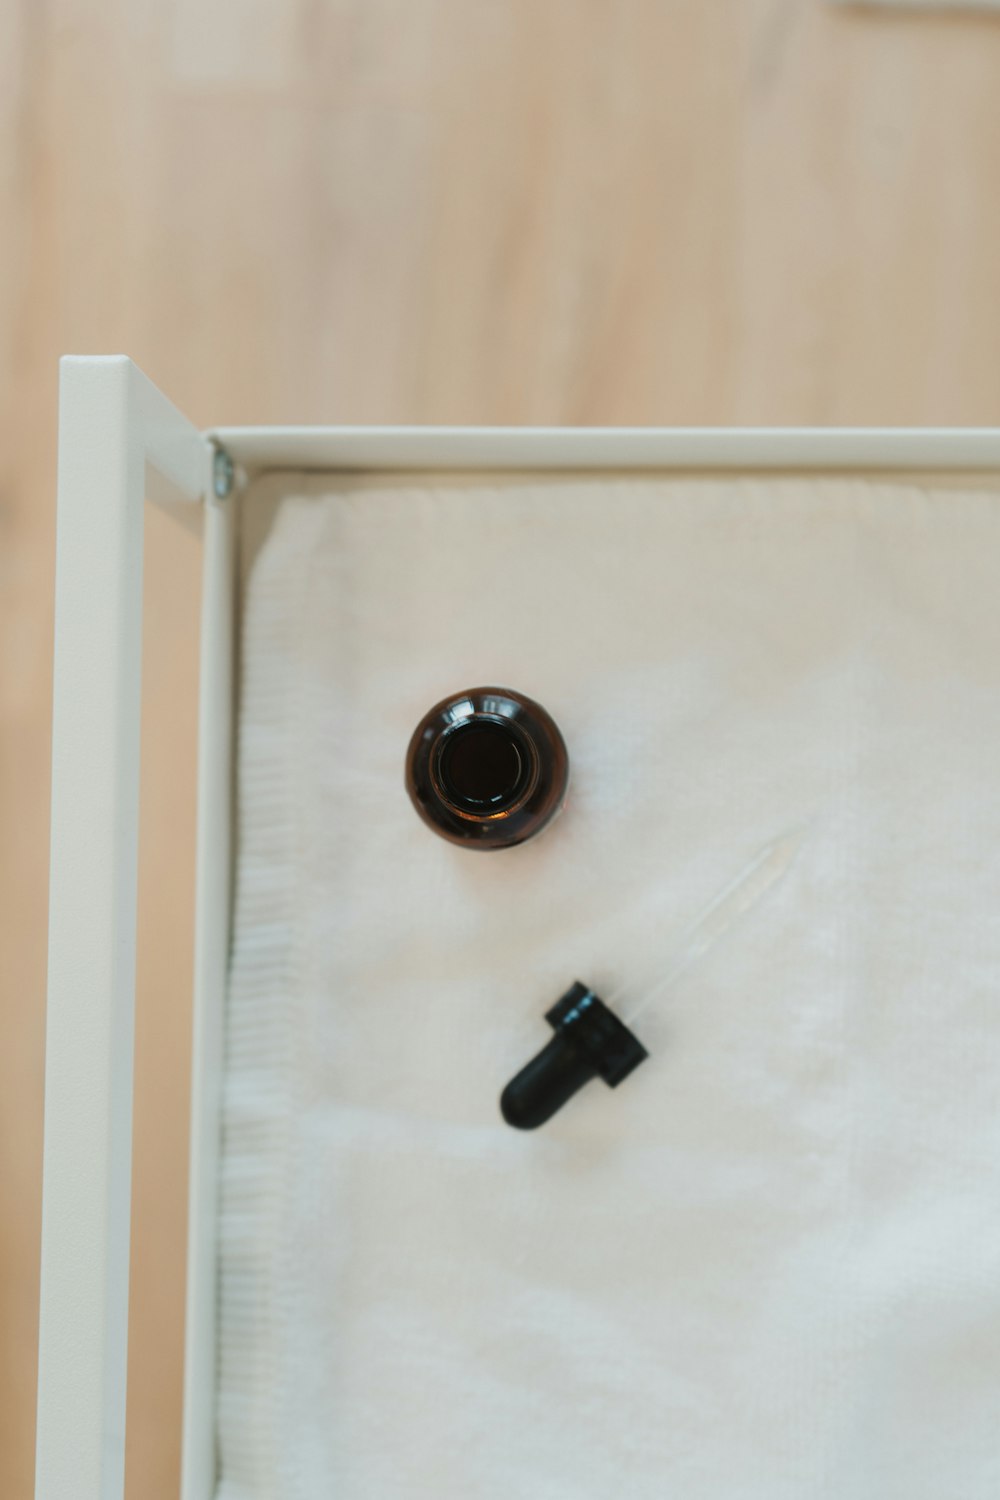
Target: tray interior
(772, 1250)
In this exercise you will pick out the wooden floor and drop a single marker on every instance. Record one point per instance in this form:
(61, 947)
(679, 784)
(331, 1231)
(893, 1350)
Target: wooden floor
(611, 211)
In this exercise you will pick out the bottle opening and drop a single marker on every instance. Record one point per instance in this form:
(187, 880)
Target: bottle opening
(487, 768)
(482, 768)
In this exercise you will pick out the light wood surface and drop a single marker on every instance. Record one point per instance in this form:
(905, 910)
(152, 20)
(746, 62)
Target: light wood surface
(612, 211)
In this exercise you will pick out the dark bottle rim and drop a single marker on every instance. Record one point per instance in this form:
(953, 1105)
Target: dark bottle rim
(487, 768)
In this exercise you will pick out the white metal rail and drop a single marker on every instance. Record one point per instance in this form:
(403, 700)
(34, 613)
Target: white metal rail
(118, 439)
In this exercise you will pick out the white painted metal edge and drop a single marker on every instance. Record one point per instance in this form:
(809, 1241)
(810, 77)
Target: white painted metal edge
(118, 438)
(844, 448)
(212, 927)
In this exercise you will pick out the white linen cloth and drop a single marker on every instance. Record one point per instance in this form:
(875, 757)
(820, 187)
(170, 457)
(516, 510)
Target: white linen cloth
(768, 1266)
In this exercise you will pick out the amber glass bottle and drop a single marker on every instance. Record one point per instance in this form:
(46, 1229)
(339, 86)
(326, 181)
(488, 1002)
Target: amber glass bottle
(487, 768)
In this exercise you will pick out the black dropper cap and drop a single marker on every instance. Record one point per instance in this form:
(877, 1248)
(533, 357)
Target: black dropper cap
(590, 1041)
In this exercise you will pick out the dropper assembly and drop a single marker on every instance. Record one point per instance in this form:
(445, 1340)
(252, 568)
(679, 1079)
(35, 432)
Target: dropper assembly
(591, 1041)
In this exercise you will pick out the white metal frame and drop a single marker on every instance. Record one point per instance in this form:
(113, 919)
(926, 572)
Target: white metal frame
(864, 449)
(120, 441)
